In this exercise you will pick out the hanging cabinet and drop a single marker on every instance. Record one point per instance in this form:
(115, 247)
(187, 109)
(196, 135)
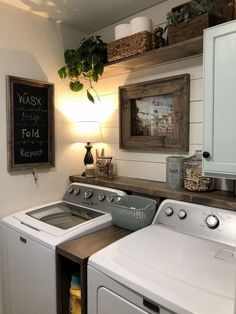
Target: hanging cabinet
(219, 136)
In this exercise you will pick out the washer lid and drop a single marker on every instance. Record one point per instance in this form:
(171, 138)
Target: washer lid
(47, 234)
(63, 215)
(58, 218)
(177, 271)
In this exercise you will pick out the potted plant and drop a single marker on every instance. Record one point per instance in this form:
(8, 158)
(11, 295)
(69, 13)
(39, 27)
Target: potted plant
(87, 62)
(188, 20)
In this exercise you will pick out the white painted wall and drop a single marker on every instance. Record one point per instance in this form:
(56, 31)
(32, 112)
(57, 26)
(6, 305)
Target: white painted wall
(33, 47)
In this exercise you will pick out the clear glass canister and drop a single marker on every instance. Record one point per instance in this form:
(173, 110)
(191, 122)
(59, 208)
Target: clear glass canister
(193, 179)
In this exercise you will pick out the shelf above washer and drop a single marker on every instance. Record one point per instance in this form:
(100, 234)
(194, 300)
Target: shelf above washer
(220, 199)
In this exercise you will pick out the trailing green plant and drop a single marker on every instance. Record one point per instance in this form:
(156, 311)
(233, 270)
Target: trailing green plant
(85, 62)
(190, 10)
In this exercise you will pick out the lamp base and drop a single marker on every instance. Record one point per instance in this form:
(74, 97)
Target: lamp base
(88, 158)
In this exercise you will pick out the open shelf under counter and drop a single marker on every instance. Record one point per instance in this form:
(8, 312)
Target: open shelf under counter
(72, 256)
(216, 198)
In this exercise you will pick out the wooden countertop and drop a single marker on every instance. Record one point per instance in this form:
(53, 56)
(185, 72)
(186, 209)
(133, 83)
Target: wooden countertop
(79, 250)
(220, 199)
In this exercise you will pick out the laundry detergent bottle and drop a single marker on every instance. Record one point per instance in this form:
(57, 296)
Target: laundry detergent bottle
(75, 295)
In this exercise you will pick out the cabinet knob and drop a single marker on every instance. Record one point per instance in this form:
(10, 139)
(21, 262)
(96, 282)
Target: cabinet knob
(206, 154)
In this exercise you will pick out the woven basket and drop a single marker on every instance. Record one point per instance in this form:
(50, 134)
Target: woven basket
(129, 46)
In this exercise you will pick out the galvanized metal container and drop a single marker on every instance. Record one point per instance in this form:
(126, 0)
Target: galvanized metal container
(175, 171)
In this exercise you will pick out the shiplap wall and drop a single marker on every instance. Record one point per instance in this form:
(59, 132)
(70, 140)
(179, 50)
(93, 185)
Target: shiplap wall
(150, 165)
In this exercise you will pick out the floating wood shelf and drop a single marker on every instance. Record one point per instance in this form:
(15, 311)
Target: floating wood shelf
(154, 57)
(220, 199)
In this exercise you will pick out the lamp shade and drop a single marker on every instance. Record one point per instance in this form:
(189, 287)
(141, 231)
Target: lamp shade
(89, 131)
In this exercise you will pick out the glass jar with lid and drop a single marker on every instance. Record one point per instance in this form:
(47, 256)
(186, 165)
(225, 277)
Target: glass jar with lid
(193, 179)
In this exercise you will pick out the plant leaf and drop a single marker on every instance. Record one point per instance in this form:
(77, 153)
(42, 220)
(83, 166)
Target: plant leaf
(90, 97)
(76, 86)
(73, 72)
(99, 68)
(69, 56)
(94, 76)
(62, 72)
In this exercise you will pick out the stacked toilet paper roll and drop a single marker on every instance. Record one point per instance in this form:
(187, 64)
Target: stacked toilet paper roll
(122, 30)
(140, 24)
(137, 24)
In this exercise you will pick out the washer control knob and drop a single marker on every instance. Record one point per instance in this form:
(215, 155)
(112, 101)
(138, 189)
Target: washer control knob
(76, 191)
(212, 221)
(70, 190)
(101, 197)
(88, 194)
(109, 199)
(169, 211)
(182, 214)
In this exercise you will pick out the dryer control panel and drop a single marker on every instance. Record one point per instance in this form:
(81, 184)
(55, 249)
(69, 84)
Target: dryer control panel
(202, 221)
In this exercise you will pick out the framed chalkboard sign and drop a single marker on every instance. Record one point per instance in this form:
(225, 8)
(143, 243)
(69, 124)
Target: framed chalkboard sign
(30, 107)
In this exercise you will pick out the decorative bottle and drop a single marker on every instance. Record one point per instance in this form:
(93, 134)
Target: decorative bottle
(75, 295)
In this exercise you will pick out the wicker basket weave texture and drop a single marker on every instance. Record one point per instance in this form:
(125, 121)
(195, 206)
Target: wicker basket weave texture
(129, 46)
(133, 212)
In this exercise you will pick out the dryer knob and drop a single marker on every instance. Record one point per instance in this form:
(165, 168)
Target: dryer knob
(88, 194)
(169, 211)
(212, 221)
(182, 214)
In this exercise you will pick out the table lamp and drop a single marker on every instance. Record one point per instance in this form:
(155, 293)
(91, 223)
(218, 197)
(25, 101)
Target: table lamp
(89, 132)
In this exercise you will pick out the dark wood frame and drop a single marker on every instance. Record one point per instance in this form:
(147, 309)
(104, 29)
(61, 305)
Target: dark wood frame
(12, 165)
(176, 142)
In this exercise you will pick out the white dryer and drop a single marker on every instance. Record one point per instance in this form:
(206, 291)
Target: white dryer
(29, 241)
(183, 263)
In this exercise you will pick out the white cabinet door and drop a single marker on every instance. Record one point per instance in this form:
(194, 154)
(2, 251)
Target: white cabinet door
(220, 101)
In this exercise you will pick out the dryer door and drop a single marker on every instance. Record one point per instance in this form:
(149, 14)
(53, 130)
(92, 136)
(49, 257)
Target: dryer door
(109, 302)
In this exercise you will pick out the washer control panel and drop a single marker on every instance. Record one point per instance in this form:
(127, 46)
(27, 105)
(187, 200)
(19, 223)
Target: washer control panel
(92, 196)
(202, 221)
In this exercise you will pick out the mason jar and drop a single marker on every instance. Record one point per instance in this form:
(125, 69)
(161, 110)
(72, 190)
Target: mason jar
(193, 179)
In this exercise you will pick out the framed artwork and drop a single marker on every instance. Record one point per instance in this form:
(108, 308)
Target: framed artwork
(30, 110)
(154, 115)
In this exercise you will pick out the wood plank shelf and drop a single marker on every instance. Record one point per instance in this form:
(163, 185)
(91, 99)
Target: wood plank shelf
(181, 50)
(220, 199)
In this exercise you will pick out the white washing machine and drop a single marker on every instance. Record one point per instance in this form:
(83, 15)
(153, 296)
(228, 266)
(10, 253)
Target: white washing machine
(29, 242)
(183, 263)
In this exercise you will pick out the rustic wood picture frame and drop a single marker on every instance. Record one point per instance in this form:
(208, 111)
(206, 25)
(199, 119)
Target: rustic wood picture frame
(154, 115)
(30, 124)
